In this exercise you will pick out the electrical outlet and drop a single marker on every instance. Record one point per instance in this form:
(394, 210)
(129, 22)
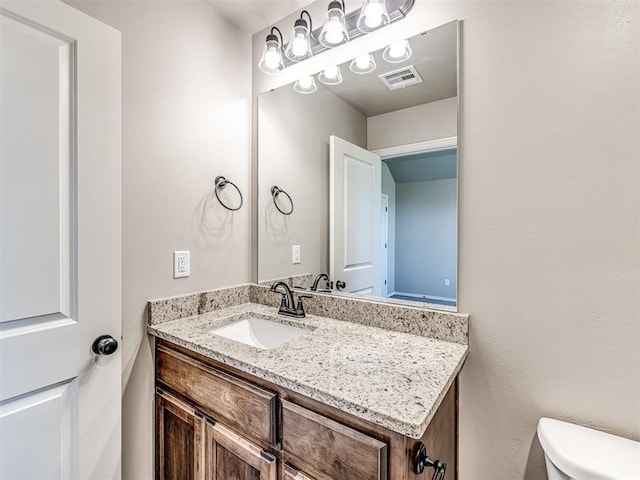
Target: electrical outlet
(295, 254)
(181, 264)
(447, 282)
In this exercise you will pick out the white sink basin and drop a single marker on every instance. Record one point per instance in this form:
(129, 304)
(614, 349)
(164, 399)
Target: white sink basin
(259, 332)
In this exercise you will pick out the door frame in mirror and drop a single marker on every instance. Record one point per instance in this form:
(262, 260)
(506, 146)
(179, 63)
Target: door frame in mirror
(433, 146)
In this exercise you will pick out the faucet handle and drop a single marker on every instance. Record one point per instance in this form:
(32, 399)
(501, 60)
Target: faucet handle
(284, 302)
(300, 305)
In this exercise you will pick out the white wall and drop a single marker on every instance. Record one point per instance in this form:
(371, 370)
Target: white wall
(185, 119)
(426, 233)
(549, 217)
(430, 121)
(294, 155)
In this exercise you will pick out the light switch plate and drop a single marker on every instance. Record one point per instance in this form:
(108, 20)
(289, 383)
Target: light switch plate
(447, 282)
(181, 264)
(295, 254)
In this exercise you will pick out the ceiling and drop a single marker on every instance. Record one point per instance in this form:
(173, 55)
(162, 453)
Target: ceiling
(435, 57)
(424, 167)
(254, 16)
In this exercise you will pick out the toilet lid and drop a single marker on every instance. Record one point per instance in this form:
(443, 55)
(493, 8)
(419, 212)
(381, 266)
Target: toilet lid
(585, 453)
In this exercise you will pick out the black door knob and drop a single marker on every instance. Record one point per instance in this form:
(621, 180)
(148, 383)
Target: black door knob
(340, 285)
(104, 345)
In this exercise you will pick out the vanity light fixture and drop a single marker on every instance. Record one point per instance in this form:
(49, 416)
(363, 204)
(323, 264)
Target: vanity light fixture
(397, 52)
(362, 64)
(331, 75)
(338, 28)
(271, 60)
(299, 47)
(334, 32)
(305, 84)
(373, 16)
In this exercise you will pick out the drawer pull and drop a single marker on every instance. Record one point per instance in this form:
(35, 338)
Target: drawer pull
(422, 461)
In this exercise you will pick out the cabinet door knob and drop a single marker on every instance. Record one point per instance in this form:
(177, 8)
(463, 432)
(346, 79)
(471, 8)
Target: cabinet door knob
(104, 345)
(422, 461)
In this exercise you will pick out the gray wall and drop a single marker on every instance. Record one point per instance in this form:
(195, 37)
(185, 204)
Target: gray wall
(426, 238)
(549, 275)
(183, 123)
(431, 121)
(389, 187)
(294, 154)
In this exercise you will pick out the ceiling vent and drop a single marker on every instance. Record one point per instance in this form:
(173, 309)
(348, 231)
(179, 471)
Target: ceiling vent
(401, 78)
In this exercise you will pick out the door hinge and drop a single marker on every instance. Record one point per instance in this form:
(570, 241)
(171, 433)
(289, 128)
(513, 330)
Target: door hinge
(385, 282)
(386, 209)
(208, 418)
(385, 245)
(268, 456)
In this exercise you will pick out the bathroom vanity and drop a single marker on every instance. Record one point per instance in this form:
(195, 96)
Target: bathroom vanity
(342, 401)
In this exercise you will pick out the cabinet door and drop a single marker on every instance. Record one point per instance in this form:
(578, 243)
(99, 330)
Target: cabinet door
(179, 440)
(232, 457)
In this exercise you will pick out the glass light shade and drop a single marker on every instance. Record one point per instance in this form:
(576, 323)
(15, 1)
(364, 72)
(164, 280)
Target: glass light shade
(305, 85)
(373, 16)
(397, 52)
(331, 75)
(299, 47)
(271, 60)
(363, 64)
(334, 31)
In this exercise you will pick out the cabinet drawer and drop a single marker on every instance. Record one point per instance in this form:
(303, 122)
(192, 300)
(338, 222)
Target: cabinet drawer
(331, 447)
(239, 404)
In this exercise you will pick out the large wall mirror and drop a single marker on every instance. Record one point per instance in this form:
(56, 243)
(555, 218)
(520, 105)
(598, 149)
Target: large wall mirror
(358, 179)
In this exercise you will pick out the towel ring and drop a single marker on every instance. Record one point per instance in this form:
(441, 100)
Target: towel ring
(222, 182)
(275, 191)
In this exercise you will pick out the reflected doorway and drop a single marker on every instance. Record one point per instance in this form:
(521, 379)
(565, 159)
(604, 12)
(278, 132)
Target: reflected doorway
(421, 258)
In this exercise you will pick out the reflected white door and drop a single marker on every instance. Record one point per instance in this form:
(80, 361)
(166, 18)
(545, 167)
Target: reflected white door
(384, 244)
(355, 220)
(60, 404)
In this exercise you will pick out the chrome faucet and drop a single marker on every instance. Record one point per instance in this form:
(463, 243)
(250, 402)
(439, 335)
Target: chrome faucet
(287, 304)
(314, 287)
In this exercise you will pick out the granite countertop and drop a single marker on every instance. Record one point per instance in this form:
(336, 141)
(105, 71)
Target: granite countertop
(392, 379)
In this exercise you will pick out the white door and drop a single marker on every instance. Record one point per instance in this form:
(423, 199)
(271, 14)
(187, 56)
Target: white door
(354, 224)
(384, 244)
(60, 403)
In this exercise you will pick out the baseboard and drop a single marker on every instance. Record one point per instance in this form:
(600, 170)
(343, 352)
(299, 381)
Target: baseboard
(416, 295)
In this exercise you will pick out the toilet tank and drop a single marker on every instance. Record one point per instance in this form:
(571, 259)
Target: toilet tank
(585, 454)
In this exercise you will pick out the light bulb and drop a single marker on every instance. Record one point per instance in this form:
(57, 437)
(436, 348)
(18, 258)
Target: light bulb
(305, 85)
(305, 81)
(362, 61)
(398, 49)
(373, 15)
(331, 72)
(331, 75)
(272, 58)
(334, 31)
(299, 46)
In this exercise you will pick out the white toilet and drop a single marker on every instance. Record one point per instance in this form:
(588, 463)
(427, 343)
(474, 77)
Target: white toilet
(573, 452)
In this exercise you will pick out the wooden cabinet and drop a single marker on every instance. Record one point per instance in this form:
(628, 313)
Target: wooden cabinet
(216, 423)
(228, 456)
(314, 438)
(178, 439)
(190, 446)
(226, 398)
